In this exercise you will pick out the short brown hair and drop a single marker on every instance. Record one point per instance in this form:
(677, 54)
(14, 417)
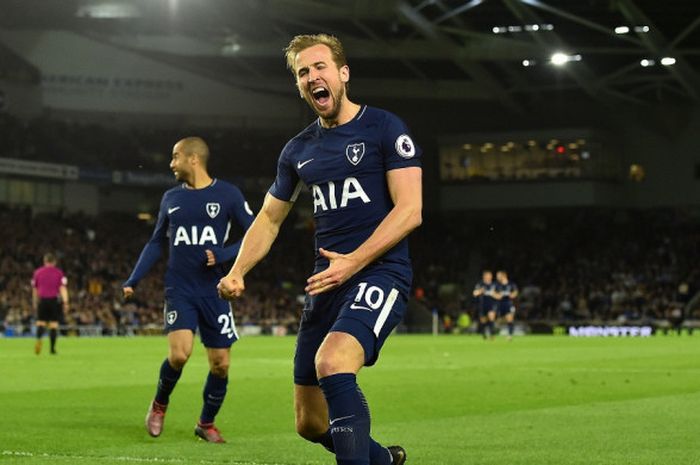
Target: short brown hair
(304, 41)
(194, 145)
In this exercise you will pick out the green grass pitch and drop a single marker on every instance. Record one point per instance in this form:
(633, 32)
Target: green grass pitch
(448, 400)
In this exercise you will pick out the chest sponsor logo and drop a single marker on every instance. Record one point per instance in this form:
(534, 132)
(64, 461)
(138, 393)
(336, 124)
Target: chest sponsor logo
(194, 236)
(331, 197)
(404, 146)
(355, 152)
(213, 209)
(172, 210)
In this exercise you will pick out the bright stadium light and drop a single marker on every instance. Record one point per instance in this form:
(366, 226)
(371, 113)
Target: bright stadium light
(641, 29)
(647, 62)
(559, 58)
(108, 10)
(668, 61)
(622, 30)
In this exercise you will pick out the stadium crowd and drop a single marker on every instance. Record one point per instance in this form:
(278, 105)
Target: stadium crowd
(97, 259)
(640, 267)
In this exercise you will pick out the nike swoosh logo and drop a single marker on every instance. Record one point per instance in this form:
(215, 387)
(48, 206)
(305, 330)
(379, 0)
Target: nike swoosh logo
(300, 165)
(359, 307)
(341, 418)
(171, 210)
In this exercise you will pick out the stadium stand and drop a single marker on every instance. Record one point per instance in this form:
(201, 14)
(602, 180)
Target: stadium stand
(640, 270)
(97, 260)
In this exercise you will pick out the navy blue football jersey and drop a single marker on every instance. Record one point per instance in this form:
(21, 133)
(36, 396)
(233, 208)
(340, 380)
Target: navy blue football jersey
(486, 300)
(192, 221)
(345, 168)
(505, 290)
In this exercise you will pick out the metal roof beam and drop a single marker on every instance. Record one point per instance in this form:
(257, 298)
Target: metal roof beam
(480, 74)
(582, 21)
(548, 39)
(657, 44)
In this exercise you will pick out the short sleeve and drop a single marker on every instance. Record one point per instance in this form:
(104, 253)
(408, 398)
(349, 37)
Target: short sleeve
(398, 147)
(287, 183)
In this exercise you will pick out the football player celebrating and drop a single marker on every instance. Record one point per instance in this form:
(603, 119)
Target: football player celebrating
(506, 293)
(195, 218)
(363, 171)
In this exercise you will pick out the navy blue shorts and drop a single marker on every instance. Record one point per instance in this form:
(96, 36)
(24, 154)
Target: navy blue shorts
(368, 307)
(505, 308)
(484, 310)
(212, 315)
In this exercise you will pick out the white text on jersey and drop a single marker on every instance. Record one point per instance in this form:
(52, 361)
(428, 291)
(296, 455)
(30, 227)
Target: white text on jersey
(352, 189)
(194, 237)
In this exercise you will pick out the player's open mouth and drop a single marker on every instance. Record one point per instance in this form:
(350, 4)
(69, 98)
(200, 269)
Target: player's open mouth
(321, 95)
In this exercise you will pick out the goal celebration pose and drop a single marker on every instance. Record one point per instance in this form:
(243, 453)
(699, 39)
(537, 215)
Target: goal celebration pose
(363, 171)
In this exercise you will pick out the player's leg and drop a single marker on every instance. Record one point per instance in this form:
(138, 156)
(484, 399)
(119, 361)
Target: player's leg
(180, 344)
(311, 415)
(369, 311)
(492, 323)
(510, 317)
(40, 330)
(42, 318)
(484, 325)
(53, 335)
(180, 323)
(213, 395)
(218, 332)
(310, 406)
(55, 312)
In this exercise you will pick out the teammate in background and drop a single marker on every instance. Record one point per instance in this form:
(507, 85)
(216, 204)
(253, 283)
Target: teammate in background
(195, 219)
(364, 174)
(506, 293)
(484, 292)
(48, 283)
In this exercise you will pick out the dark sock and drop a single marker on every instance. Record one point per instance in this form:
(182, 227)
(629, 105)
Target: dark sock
(378, 454)
(492, 328)
(510, 329)
(214, 393)
(53, 334)
(166, 382)
(326, 440)
(349, 418)
(40, 331)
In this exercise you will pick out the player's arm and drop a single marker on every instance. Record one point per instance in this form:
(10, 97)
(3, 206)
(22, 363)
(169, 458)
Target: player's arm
(255, 244)
(514, 293)
(405, 188)
(478, 290)
(35, 299)
(64, 295)
(150, 254)
(243, 215)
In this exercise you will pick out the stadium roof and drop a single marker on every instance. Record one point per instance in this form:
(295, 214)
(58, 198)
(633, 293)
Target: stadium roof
(508, 51)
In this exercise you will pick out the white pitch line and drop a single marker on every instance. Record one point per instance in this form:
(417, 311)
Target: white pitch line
(123, 458)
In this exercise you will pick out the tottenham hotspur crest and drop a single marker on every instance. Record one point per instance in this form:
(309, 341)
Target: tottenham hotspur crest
(171, 316)
(213, 209)
(355, 152)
